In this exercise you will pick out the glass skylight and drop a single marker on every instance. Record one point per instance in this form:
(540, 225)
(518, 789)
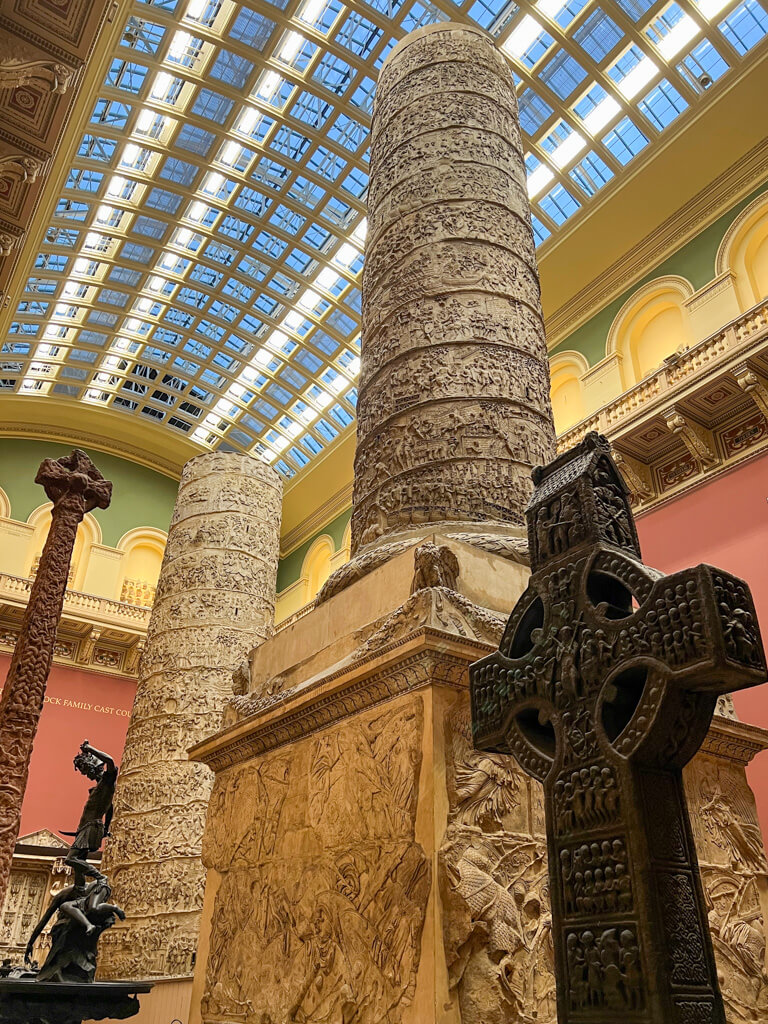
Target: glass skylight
(202, 267)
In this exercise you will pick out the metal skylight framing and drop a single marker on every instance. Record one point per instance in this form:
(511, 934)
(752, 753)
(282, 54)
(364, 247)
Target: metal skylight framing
(202, 269)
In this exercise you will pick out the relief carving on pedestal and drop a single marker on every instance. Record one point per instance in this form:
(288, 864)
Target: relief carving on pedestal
(434, 603)
(319, 914)
(497, 928)
(734, 874)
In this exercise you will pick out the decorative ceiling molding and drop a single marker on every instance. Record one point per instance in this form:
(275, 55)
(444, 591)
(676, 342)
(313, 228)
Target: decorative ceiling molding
(43, 50)
(741, 178)
(325, 513)
(67, 435)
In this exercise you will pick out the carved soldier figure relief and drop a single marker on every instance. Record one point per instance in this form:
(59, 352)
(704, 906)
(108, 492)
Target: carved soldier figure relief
(603, 688)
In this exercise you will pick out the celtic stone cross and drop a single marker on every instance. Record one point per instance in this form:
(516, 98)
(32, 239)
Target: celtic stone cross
(75, 487)
(603, 688)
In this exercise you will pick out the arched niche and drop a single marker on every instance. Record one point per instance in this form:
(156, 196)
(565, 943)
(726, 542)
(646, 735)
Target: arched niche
(744, 252)
(565, 372)
(88, 534)
(651, 325)
(316, 567)
(143, 550)
(342, 555)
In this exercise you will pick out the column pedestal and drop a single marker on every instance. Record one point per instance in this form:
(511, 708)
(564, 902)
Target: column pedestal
(363, 856)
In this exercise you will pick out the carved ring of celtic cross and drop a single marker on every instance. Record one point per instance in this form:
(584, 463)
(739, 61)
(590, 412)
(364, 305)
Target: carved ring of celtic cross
(608, 645)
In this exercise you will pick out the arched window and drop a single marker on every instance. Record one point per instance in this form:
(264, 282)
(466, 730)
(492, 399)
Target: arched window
(143, 550)
(650, 326)
(88, 534)
(744, 251)
(565, 371)
(316, 567)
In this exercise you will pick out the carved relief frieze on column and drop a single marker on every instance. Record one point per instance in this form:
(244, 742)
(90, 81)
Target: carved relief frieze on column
(454, 388)
(214, 603)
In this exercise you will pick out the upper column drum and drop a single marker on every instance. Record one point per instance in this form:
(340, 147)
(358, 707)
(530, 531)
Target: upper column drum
(454, 405)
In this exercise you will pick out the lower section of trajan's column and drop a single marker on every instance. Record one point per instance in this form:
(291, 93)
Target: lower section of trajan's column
(454, 403)
(214, 603)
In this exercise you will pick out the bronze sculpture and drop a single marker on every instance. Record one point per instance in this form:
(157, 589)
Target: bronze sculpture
(84, 909)
(603, 688)
(97, 813)
(75, 487)
(84, 912)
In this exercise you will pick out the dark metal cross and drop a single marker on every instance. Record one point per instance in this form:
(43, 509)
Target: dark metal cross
(75, 487)
(603, 688)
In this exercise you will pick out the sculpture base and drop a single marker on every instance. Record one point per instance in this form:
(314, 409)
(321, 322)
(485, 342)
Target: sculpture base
(26, 1001)
(365, 862)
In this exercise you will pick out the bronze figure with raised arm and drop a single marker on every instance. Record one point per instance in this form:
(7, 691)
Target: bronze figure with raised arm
(97, 813)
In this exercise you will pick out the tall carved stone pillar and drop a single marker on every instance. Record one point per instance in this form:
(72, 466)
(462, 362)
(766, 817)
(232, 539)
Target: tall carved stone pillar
(454, 405)
(215, 602)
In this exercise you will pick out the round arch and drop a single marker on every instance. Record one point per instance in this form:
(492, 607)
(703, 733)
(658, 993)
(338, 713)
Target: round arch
(743, 251)
(143, 549)
(316, 567)
(651, 325)
(5, 505)
(88, 534)
(565, 372)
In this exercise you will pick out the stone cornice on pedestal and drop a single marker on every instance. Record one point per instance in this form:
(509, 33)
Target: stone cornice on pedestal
(426, 656)
(734, 741)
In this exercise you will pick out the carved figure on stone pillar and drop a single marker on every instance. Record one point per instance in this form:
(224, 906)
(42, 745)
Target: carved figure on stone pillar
(497, 927)
(327, 929)
(214, 603)
(603, 688)
(454, 404)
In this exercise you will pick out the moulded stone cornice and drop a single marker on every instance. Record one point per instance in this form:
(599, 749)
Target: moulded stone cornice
(426, 656)
(701, 211)
(734, 741)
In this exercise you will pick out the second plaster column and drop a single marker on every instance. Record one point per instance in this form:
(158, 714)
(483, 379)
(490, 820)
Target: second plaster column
(454, 406)
(215, 602)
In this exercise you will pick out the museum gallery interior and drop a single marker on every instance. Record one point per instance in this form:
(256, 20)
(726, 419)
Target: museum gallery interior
(383, 511)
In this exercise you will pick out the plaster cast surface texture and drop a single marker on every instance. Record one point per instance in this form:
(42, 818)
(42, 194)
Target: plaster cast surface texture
(215, 601)
(454, 405)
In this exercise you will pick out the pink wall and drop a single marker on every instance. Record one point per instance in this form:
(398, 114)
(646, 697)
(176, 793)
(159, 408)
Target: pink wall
(78, 706)
(724, 523)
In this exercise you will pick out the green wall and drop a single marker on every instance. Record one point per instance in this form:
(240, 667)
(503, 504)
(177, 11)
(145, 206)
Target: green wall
(694, 261)
(140, 497)
(289, 568)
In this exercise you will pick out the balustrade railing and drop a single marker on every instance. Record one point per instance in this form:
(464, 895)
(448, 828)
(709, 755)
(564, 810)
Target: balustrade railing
(18, 588)
(677, 370)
